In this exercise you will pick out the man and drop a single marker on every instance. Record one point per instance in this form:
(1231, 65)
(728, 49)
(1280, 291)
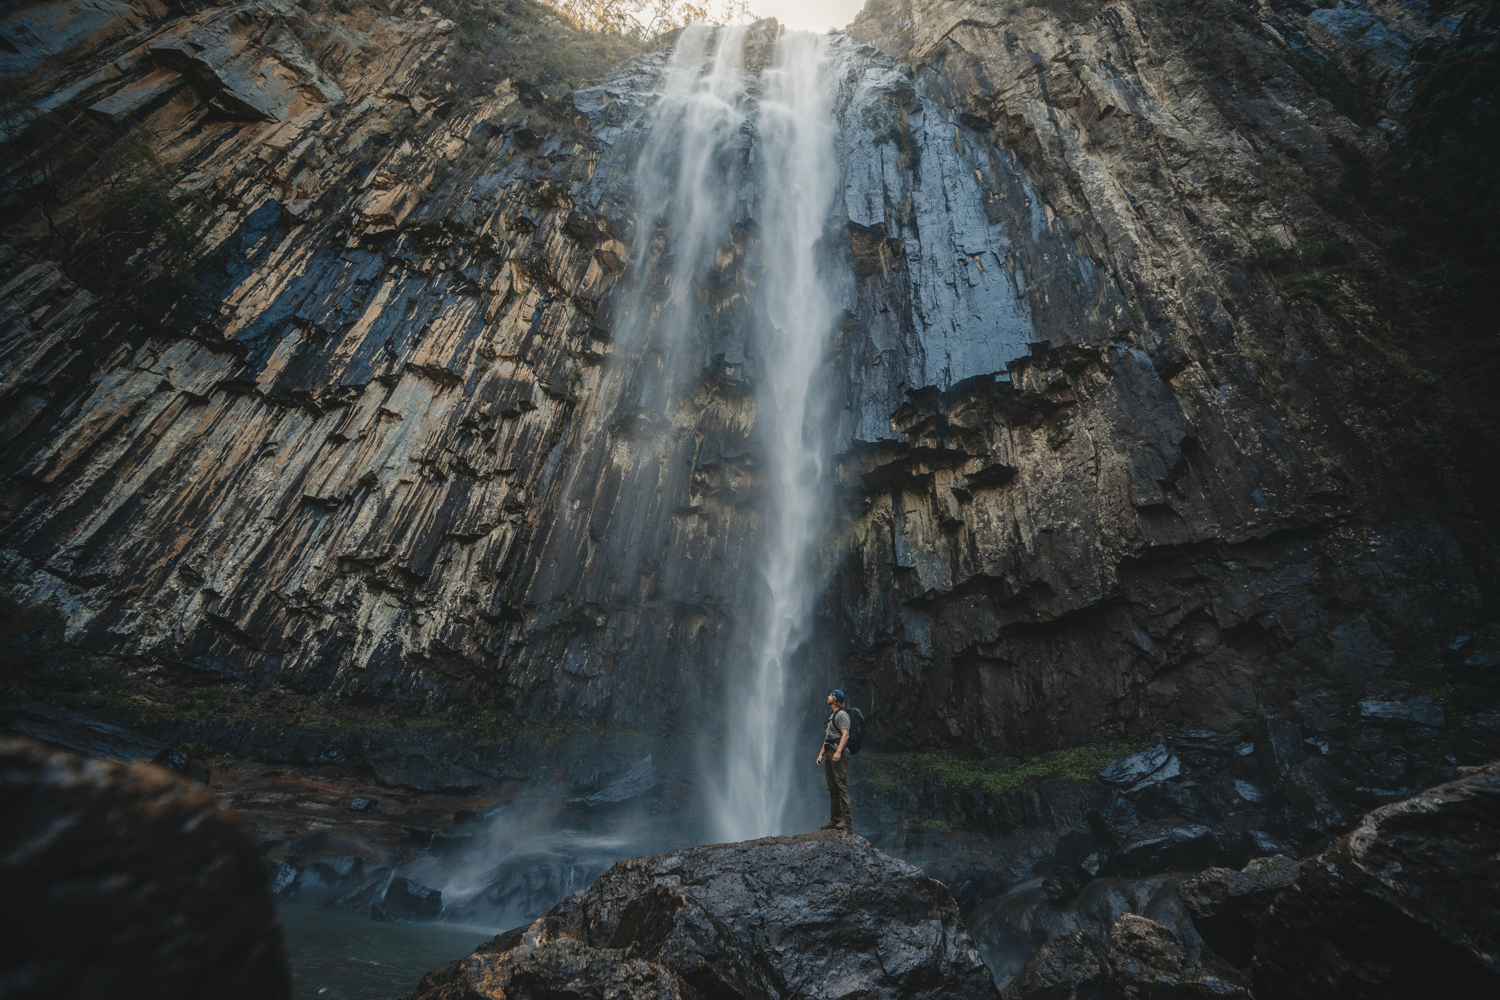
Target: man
(836, 765)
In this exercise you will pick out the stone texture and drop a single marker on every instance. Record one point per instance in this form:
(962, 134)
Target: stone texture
(820, 915)
(123, 881)
(387, 448)
(1139, 958)
(1407, 904)
(1227, 906)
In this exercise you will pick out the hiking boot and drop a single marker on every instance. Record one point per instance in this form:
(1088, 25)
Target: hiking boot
(843, 824)
(828, 826)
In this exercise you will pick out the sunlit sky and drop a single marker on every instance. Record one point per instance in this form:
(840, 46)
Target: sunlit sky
(809, 15)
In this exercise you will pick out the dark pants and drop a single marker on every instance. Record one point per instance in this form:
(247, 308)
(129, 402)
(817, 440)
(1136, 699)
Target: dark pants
(836, 772)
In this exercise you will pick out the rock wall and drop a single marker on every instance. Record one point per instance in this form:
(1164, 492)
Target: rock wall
(1098, 471)
(1188, 513)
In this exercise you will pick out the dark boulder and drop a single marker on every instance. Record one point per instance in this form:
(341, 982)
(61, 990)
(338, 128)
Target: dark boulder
(1478, 739)
(408, 900)
(1227, 906)
(1278, 748)
(1313, 806)
(123, 881)
(1140, 960)
(1407, 904)
(1069, 967)
(1147, 961)
(819, 915)
(633, 782)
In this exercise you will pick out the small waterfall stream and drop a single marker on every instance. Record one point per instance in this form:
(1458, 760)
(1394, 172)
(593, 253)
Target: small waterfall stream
(738, 177)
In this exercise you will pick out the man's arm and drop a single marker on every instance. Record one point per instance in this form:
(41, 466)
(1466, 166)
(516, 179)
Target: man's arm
(843, 740)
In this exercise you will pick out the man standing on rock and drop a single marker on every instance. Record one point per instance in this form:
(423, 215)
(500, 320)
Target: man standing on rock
(836, 765)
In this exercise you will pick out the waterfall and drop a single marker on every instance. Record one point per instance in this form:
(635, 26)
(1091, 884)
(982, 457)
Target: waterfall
(736, 145)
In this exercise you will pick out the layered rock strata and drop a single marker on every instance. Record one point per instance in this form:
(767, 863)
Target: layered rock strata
(384, 446)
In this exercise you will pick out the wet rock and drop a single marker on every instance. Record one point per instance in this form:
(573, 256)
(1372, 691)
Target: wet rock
(125, 881)
(1142, 846)
(1141, 769)
(633, 782)
(1278, 747)
(178, 761)
(1148, 962)
(1405, 905)
(1313, 805)
(1069, 967)
(407, 900)
(825, 911)
(1227, 906)
(1138, 958)
(363, 804)
(1402, 714)
(1478, 739)
(429, 769)
(83, 733)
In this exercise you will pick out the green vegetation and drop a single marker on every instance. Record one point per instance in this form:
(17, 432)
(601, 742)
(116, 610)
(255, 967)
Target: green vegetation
(889, 771)
(935, 825)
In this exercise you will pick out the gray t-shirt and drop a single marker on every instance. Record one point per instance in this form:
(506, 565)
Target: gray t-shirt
(838, 720)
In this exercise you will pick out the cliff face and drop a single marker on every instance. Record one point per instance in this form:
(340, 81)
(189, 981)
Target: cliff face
(1116, 446)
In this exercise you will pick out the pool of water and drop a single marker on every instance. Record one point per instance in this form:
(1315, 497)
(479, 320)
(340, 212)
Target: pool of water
(339, 956)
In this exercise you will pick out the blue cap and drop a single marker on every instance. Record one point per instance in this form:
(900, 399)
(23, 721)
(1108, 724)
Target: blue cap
(838, 696)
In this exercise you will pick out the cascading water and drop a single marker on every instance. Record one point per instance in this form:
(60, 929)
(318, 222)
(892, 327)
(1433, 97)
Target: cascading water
(733, 147)
(795, 315)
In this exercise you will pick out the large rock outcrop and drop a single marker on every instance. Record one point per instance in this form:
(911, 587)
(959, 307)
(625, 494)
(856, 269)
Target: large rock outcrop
(1407, 904)
(123, 881)
(822, 915)
(1094, 449)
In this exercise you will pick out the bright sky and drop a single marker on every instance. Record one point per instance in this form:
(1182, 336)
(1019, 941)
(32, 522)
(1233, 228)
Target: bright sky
(809, 15)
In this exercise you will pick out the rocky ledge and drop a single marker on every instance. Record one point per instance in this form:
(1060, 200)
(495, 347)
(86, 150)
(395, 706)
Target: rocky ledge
(817, 915)
(1405, 905)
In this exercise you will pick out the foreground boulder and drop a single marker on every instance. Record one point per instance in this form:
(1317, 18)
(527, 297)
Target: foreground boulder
(818, 915)
(1140, 959)
(1227, 906)
(123, 881)
(1405, 905)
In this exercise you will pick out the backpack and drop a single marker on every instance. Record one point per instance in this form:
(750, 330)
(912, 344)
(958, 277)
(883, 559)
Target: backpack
(856, 729)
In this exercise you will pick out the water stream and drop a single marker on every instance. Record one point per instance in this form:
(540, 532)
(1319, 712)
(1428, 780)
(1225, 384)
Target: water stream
(739, 175)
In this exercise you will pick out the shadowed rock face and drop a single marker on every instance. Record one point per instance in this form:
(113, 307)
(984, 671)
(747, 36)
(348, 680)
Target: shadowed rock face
(820, 915)
(1404, 905)
(388, 447)
(122, 881)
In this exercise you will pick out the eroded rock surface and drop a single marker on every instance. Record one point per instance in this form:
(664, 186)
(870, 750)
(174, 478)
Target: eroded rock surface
(819, 915)
(1407, 904)
(1138, 958)
(123, 881)
(386, 446)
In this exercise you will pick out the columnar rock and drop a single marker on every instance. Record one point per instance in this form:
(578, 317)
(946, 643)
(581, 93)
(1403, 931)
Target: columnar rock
(384, 443)
(1407, 904)
(820, 915)
(124, 881)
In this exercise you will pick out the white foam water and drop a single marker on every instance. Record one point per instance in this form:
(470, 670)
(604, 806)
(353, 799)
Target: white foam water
(735, 144)
(795, 315)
